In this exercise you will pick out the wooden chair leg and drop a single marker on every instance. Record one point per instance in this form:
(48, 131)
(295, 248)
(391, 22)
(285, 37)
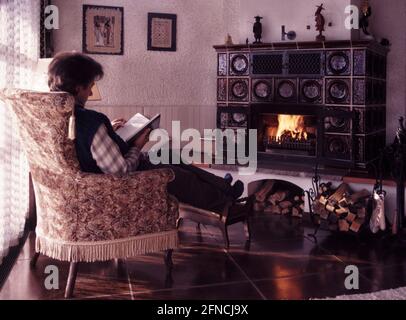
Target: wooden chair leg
(225, 236)
(34, 259)
(70, 285)
(168, 261)
(120, 267)
(247, 229)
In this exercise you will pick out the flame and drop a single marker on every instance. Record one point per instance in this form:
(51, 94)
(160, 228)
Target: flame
(292, 124)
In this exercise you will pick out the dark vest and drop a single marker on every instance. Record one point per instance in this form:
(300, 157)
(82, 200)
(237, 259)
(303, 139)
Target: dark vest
(87, 124)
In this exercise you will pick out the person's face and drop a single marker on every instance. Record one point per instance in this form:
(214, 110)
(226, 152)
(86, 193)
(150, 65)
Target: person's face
(83, 93)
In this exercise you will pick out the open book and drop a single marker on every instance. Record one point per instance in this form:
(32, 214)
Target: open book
(133, 127)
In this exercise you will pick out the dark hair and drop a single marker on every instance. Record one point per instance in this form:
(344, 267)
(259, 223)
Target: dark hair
(71, 69)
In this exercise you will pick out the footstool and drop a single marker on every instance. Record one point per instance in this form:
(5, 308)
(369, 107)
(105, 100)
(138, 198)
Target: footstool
(233, 212)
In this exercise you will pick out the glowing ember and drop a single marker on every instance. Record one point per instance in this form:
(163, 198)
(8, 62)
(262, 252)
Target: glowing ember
(293, 125)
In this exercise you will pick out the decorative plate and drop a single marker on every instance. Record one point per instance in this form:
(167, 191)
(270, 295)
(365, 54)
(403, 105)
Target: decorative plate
(311, 90)
(338, 91)
(333, 123)
(286, 90)
(262, 90)
(239, 117)
(338, 62)
(336, 146)
(239, 64)
(239, 89)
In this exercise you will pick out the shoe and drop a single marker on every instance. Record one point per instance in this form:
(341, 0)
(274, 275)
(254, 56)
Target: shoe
(237, 189)
(229, 178)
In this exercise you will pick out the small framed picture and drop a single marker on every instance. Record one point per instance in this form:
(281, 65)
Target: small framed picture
(161, 32)
(103, 30)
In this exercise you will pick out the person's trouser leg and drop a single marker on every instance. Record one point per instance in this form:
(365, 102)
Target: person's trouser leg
(189, 188)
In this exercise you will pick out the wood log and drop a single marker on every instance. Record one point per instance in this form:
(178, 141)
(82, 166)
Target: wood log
(330, 208)
(356, 224)
(324, 214)
(325, 189)
(278, 196)
(261, 194)
(343, 225)
(285, 204)
(341, 210)
(361, 212)
(285, 211)
(297, 212)
(340, 193)
(351, 217)
(356, 197)
(323, 200)
(318, 207)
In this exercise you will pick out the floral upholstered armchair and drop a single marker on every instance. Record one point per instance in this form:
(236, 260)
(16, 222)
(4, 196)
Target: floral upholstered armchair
(84, 217)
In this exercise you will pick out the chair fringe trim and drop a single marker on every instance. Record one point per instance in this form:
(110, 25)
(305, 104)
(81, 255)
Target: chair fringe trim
(106, 250)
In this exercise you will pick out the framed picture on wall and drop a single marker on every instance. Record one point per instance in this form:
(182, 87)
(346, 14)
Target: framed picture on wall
(103, 30)
(161, 32)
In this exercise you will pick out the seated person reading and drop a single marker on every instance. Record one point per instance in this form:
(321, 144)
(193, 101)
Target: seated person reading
(100, 150)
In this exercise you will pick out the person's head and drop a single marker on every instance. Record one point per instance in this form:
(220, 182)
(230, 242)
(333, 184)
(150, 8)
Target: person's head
(75, 73)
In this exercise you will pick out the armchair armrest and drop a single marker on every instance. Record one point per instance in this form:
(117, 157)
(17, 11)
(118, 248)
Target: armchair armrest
(158, 178)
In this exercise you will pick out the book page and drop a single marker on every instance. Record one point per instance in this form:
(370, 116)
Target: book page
(132, 126)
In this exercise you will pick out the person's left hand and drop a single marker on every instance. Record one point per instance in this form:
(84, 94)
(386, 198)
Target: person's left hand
(118, 123)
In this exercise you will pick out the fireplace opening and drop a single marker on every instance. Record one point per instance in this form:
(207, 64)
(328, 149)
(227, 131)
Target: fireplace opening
(288, 134)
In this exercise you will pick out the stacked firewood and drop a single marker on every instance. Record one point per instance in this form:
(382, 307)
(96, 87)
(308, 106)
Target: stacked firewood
(343, 209)
(271, 199)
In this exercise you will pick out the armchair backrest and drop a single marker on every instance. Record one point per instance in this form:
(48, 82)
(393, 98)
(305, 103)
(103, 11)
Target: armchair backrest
(43, 119)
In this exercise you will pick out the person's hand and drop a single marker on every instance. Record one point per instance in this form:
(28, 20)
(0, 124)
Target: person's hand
(142, 139)
(117, 123)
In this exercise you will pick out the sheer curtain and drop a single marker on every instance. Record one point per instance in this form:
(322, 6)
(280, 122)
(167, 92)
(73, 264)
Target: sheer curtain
(19, 49)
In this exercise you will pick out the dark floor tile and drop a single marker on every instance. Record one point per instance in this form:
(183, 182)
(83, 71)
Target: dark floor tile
(386, 277)
(96, 286)
(234, 291)
(323, 285)
(266, 260)
(107, 269)
(193, 265)
(363, 251)
(189, 233)
(267, 227)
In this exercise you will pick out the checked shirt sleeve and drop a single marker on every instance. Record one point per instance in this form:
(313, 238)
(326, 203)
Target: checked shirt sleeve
(108, 156)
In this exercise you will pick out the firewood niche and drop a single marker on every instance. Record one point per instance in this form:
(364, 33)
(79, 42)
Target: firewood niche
(341, 209)
(280, 197)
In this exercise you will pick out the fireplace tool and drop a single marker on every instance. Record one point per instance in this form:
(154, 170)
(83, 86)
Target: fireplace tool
(312, 194)
(378, 221)
(394, 157)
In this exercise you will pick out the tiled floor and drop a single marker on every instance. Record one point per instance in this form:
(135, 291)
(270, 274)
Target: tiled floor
(282, 262)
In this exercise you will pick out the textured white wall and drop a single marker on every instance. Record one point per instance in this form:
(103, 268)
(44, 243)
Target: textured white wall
(180, 84)
(388, 20)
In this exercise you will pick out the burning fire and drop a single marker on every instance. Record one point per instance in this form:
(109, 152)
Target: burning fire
(293, 125)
